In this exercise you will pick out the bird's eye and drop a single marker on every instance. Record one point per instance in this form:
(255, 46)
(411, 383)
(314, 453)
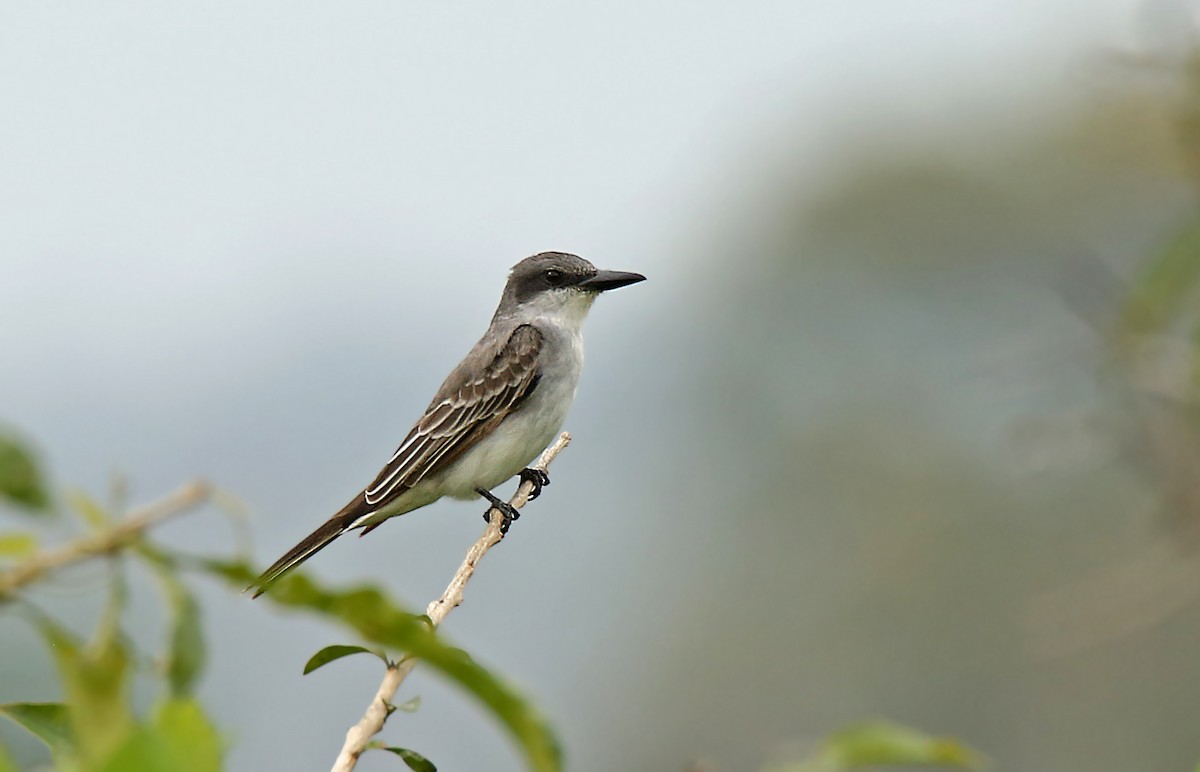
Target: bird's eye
(554, 277)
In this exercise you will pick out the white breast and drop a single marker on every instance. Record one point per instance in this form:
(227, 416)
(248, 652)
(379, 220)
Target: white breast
(533, 426)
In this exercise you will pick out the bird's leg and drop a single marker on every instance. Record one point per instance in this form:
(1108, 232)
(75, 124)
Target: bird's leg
(538, 477)
(508, 510)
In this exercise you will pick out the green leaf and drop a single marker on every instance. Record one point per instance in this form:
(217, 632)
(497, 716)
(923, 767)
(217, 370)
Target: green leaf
(414, 760)
(180, 738)
(337, 651)
(17, 545)
(90, 510)
(1163, 290)
(6, 762)
(50, 722)
(186, 650)
(186, 723)
(20, 481)
(378, 619)
(881, 743)
(96, 683)
(409, 706)
(187, 655)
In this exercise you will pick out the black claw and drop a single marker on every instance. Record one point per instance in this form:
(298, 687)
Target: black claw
(510, 512)
(538, 477)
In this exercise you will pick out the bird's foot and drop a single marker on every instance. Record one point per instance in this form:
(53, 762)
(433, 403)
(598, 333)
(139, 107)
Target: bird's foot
(538, 477)
(510, 512)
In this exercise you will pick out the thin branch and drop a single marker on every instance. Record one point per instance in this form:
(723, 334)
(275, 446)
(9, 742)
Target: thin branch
(377, 712)
(104, 542)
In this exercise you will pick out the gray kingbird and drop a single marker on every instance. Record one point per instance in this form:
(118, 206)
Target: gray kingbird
(493, 414)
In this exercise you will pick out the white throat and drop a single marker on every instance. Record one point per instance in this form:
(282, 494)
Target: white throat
(565, 309)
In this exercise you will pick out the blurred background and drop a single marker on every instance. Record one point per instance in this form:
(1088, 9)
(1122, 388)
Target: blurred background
(903, 424)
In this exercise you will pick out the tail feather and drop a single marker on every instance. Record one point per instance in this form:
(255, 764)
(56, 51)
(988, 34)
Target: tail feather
(309, 546)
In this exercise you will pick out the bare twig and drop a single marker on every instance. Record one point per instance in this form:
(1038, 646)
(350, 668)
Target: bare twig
(104, 542)
(377, 712)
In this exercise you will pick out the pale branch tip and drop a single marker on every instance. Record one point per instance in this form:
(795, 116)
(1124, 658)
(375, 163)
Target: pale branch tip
(358, 737)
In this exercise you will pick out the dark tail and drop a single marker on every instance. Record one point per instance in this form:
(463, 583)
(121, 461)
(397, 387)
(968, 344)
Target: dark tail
(311, 545)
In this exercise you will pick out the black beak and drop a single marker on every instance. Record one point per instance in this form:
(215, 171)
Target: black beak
(606, 280)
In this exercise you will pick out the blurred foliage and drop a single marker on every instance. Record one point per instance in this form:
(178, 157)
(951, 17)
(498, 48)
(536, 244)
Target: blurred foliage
(96, 726)
(377, 619)
(185, 660)
(17, 545)
(1157, 352)
(1159, 332)
(883, 744)
(1165, 296)
(20, 481)
(1160, 295)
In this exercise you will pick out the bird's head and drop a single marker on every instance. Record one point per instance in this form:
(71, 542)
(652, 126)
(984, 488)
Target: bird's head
(558, 285)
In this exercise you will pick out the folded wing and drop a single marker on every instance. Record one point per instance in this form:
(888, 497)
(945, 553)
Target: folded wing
(452, 424)
(468, 407)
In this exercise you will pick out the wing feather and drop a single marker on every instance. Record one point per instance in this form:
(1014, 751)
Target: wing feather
(453, 424)
(460, 416)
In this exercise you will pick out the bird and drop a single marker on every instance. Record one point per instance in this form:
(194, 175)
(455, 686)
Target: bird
(503, 403)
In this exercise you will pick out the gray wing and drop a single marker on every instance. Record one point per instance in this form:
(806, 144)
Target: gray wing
(459, 419)
(471, 403)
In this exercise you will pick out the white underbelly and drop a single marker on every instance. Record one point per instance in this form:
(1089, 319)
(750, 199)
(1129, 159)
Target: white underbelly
(518, 440)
